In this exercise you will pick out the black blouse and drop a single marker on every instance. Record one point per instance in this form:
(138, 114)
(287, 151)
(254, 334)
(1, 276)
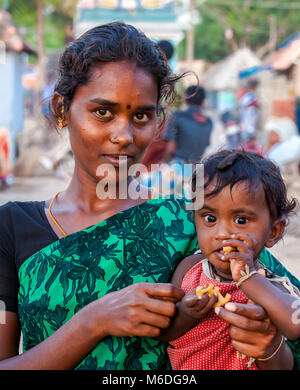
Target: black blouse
(24, 230)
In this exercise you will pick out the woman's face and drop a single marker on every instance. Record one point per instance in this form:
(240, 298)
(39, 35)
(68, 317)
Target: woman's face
(113, 115)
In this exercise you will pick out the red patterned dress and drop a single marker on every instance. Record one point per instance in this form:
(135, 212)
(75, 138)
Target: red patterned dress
(208, 345)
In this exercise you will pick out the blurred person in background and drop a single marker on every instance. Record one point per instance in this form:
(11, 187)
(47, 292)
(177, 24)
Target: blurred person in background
(188, 131)
(283, 141)
(251, 145)
(5, 174)
(156, 150)
(249, 109)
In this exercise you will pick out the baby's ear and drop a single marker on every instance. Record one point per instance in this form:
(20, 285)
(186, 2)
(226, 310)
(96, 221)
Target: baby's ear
(277, 231)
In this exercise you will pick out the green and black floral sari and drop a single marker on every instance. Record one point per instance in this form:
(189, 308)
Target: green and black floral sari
(141, 244)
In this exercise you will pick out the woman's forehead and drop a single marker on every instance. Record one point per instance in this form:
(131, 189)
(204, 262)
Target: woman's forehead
(113, 79)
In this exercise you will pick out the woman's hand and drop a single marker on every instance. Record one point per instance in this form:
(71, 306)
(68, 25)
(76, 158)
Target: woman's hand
(253, 334)
(142, 309)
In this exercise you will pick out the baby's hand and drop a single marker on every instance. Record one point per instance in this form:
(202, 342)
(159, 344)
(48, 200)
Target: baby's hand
(242, 254)
(197, 306)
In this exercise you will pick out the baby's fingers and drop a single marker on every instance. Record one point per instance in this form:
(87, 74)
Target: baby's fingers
(206, 302)
(212, 300)
(190, 300)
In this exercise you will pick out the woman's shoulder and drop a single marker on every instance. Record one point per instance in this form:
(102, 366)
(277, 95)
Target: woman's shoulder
(13, 209)
(24, 229)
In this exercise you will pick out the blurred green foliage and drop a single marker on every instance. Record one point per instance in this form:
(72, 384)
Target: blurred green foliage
(250, 25)
(55, 19)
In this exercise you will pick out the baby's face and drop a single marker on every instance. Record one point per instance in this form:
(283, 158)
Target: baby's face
(231, 212)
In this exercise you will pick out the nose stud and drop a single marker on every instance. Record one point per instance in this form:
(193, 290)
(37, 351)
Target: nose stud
(113, 137)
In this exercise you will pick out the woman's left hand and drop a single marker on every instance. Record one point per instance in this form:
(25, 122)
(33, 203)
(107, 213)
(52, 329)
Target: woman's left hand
(253, 334)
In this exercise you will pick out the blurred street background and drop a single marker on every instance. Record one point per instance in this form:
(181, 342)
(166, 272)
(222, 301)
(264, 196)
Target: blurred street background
(245, 54)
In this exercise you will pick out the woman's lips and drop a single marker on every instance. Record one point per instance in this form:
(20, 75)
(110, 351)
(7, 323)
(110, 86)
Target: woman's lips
(118, 159)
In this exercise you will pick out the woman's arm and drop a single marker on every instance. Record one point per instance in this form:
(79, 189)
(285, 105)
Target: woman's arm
(62, 350)
(142, 309)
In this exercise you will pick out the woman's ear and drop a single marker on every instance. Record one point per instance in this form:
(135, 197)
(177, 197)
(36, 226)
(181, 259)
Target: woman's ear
(58, 108)
(277, 231)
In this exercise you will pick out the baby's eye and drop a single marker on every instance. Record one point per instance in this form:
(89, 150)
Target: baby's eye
(210, 218)
(103, 113)
(241, 220)
(141, 117)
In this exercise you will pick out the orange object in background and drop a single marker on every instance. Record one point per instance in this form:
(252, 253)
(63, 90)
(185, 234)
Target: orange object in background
(4, 153)
(282, 108)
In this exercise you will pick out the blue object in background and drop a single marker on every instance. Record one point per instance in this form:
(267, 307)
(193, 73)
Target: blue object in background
(12, 96)
(297, 114)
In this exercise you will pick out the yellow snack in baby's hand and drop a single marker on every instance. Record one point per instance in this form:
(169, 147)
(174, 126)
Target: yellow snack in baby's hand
(210, 290)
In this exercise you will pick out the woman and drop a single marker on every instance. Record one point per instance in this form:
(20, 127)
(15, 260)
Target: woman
(87, 275)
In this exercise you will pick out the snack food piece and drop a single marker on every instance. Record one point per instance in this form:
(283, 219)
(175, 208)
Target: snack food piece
(210, 290)
(228, 249)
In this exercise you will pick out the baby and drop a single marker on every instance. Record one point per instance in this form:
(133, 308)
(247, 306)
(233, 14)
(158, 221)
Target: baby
(245, 209)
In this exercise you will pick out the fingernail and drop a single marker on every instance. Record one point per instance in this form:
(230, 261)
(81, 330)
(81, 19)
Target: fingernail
(230, 306)
(217, 310)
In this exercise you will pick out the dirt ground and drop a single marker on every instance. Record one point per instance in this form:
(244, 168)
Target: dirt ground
(42, 188)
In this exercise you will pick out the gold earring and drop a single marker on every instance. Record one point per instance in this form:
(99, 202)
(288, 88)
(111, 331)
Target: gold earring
(61, 119)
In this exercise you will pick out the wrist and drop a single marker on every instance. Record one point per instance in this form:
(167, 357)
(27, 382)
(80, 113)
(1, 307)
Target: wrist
(274, 350)
(278, 357)
(93, 322)
(246, 275)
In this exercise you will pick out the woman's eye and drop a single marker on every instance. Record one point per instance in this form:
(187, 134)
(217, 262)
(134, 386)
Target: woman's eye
(103, 113)
(210, 218)
(241, 220)
(141, 117)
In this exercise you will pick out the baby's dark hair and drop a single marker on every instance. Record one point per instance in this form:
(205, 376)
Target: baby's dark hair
(110, 43)
(229, 167)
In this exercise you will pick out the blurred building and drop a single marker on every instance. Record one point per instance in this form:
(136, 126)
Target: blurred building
(14, 51)
(158, 19)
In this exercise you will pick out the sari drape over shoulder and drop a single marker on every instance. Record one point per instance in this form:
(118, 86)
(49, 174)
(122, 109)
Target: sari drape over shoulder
(142, 244)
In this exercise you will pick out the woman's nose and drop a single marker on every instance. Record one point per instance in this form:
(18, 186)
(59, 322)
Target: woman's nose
(122, 134)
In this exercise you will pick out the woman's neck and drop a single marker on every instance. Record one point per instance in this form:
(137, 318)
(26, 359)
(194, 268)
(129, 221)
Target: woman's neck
(85, 192)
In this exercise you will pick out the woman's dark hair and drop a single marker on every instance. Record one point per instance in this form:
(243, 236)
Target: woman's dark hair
(110, 43)
(229, 167)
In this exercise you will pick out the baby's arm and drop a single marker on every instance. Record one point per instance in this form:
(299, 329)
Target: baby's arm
(280, 306)
(191, 308)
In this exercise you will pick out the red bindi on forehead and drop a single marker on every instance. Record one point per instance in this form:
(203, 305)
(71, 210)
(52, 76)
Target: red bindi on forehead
(128, 106)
